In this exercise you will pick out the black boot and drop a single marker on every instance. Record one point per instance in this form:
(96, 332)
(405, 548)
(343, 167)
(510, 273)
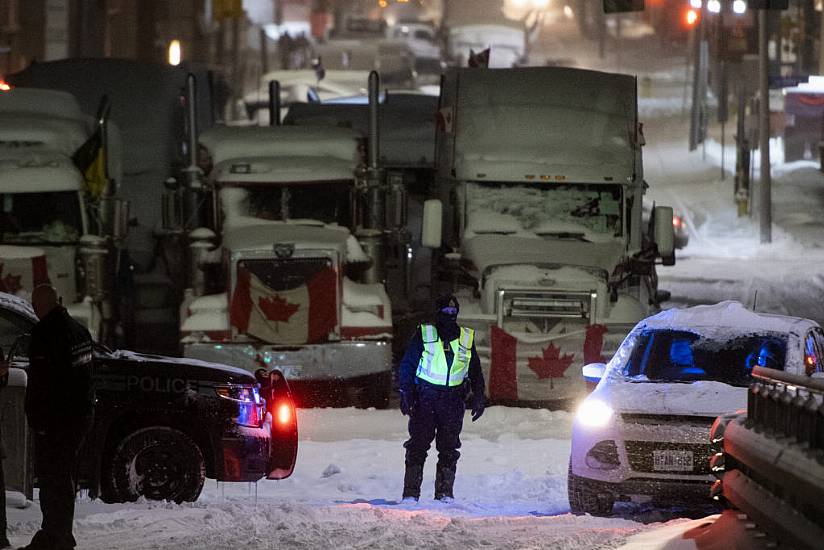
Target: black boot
(412, 481)
(444, 480)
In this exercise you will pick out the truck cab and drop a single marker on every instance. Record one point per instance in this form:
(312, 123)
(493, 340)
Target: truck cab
(46, 232)
(540, 171)
(293, 282)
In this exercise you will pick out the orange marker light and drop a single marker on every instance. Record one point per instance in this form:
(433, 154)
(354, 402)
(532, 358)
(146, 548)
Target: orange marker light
(691, 18)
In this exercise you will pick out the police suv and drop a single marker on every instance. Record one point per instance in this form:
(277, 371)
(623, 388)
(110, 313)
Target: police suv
(161, 424)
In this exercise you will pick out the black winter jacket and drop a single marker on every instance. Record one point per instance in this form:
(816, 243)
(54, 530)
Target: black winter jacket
(59, 388)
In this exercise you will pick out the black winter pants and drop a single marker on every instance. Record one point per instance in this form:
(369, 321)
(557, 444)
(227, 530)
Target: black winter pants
(438, 415)
(56, 458)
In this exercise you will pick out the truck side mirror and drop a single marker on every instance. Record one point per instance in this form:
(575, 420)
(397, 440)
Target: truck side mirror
(432, 229)
(664, 234)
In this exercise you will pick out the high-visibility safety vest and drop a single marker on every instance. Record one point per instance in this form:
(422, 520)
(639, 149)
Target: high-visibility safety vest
(433, 367)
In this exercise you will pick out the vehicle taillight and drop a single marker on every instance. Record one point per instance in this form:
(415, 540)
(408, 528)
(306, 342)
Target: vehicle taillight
(677, 221)
(5, 86)
(284, 414)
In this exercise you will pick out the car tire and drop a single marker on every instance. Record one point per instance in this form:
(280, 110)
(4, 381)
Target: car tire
(158, 463)
(583, 499)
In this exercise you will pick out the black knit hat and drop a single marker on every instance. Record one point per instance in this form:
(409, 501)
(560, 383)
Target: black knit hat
(446, 300)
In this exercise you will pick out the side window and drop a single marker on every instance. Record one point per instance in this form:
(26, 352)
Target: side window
(812, 353)
(818, 337)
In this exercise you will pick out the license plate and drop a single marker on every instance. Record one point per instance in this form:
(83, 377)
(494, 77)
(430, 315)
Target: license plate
(672, 461)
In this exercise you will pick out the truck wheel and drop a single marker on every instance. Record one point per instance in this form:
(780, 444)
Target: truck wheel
(159, 463)
(583, 499)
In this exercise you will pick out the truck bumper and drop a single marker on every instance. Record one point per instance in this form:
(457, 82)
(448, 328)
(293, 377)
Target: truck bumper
(336, 361)
(336, 374)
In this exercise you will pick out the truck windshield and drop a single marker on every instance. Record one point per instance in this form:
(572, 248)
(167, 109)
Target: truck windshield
(684, 356)
(327, 202)
(53, 217)
(554, 211)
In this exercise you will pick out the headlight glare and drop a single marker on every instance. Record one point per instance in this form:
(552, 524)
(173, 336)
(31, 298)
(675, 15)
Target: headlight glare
(594, 413)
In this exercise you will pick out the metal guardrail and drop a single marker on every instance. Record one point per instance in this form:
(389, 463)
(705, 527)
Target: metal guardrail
(773, 458)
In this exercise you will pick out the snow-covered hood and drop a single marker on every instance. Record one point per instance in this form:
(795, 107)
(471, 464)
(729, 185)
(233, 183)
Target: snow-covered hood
(702, 398)
(489, 251)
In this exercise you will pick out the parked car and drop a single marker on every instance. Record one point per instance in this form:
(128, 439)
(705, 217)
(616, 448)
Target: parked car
(644, 432)
(161, 425)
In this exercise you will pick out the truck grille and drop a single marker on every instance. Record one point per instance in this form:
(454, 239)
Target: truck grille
(558, 305)
(282, 274)
(641, 455)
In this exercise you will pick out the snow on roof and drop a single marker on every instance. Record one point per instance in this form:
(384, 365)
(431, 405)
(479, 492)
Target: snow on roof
(487, 251)
(407, 127)
(283, 170)
(265, 234)
(41, 103)
(17, 305)
(143, 357)
(39, 178)
(226, 143)
(22, 131)
(728, 314)
(552, 121)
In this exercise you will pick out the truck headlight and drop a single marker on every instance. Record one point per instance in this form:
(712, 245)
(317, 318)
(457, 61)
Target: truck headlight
(594, 413)
(250, 407)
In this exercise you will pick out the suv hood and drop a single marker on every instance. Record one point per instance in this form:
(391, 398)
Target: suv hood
(701, 398)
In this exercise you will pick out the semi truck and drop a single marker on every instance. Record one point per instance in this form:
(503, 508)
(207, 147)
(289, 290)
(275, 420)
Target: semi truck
(288, 266)
(537, 225)
(54, 227)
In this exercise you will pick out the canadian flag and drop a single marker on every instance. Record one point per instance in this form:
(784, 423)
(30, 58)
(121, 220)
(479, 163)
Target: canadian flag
(535, 370)
(303, 315)
(22, 269)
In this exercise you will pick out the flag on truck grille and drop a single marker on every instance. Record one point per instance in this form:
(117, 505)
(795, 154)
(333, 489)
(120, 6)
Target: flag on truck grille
(306, 314)
(536, 370)
(22, 269)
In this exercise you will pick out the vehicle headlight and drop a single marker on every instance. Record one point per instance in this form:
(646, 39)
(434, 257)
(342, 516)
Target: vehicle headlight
(594, 413)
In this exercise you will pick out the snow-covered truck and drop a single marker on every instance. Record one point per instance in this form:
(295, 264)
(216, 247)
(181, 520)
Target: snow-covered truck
(51, 227)
(538, 225)
(299, 278)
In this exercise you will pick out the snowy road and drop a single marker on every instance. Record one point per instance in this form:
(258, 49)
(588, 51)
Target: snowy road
(511, 493)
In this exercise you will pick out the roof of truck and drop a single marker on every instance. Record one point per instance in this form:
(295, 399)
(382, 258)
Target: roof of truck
(550, 123)
(227, 142)
(37, 175)
(42, 103)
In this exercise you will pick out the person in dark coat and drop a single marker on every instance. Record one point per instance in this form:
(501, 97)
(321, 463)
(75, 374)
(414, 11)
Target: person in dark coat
(59, 407)
(438, 369)
(4, 540)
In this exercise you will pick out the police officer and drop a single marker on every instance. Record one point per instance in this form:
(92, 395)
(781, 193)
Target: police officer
(439, 367)
(59, 404)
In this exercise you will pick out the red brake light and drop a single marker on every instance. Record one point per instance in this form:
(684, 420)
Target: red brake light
(4, 86)
(284, 413)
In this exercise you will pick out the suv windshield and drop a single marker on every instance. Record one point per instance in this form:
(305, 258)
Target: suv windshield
(549, 210)
(684, 356)
(327, 202)
(53, 217)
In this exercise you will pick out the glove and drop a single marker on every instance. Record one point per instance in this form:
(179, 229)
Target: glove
(478, 406)
(407, 403)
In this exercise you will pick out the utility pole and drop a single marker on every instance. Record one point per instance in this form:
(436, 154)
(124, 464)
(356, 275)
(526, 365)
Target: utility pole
(764, 183)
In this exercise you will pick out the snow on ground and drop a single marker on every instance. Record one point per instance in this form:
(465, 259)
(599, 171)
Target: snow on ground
(510, 489)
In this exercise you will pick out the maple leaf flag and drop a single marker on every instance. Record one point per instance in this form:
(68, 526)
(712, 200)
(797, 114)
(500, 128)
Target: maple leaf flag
(303, 315)
(22, 269)
(534, 370)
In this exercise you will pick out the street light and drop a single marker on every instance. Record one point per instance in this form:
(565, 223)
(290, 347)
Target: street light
(714, 6)
(175, 54)
(739, 6)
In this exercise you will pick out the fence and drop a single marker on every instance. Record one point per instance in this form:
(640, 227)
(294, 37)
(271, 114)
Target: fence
(773, 458)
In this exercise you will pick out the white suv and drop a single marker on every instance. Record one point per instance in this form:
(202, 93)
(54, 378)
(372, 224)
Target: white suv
(644, 432)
